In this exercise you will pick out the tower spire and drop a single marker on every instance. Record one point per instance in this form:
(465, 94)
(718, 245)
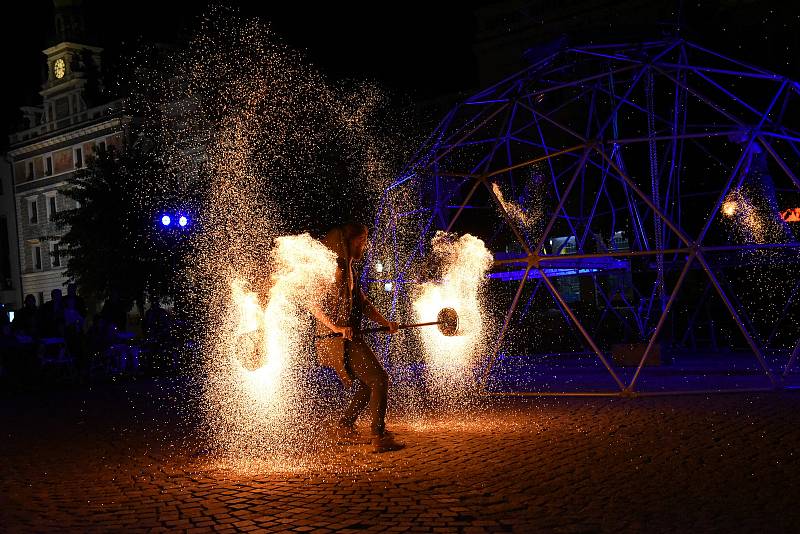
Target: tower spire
(69, 21)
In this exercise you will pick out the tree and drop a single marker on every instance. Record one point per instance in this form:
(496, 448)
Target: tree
(113, 239)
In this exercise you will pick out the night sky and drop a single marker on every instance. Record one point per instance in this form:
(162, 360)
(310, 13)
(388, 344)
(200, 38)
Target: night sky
(423, 50)
(419, 49)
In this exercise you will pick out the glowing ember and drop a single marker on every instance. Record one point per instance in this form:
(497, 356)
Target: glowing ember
(464, 264)
(729, 208)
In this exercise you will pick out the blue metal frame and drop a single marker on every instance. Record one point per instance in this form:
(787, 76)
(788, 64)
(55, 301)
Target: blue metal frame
(615, 132)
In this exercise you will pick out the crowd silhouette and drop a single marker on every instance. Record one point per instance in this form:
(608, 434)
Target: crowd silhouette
(60, 340)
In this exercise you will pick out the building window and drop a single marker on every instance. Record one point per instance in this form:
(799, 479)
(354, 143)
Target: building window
(51, 206)
(100, 146)
(78, 157)
(55, 254)
(33, 212)
(48, 165)
(37, 258)
(29, 170)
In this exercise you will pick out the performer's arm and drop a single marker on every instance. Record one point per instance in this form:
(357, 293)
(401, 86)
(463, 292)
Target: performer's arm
(373, 314)
(322, 317)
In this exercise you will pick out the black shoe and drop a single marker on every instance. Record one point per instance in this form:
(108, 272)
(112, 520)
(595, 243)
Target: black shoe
(386, 442)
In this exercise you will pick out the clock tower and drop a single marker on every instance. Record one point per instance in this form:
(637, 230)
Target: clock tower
(73, 81)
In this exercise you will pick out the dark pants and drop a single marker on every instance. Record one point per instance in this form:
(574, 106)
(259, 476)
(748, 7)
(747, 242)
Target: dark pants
(372, 385)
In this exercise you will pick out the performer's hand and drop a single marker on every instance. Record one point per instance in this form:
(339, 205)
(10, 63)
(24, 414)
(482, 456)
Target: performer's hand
(345, 331)
(393, 326)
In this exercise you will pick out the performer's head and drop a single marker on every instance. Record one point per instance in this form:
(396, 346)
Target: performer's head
(355, 237)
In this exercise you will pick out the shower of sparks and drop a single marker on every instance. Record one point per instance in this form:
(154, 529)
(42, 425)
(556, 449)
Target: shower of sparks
(514, 210)
(264, 144)
(759, 278)
(450, 359)
(748, 222)
(530, 214)
(255, 387)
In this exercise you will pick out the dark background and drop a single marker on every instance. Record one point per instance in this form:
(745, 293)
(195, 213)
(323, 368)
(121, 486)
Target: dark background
(430, 51)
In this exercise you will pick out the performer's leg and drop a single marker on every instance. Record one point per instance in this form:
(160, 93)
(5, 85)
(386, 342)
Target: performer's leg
(369, 371)
(357, 404)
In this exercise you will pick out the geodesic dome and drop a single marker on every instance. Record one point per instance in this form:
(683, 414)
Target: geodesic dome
(632, 196)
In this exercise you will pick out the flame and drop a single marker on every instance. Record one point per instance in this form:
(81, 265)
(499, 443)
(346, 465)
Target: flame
(464, 262)
(255, 384)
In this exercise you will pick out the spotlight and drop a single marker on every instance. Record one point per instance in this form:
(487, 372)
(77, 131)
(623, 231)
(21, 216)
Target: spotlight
(378, 266)
(387, 286)
(165, 220)
(183, 221)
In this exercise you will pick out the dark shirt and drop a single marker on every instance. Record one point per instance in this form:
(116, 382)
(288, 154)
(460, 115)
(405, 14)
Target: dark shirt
(51, 322)
(26, 321)
(80, 304)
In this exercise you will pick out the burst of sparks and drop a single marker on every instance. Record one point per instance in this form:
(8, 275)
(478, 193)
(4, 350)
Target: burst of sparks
(465, 262)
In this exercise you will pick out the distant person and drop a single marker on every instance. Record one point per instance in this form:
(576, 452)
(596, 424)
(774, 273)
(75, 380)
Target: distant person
(26, 319)
(73, 319)
(74, 336)
(157, 328)
(78, 303)
(97, 337)
(4, 320)
(115, 311)
(156, 321)
(52, 316)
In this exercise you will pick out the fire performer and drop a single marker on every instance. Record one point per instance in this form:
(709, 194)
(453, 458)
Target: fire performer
(341, 312)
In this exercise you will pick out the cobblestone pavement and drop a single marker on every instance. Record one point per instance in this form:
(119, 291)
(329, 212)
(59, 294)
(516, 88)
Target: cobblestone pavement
(103, 461)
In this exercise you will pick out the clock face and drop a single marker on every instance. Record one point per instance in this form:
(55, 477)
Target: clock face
(59, 68)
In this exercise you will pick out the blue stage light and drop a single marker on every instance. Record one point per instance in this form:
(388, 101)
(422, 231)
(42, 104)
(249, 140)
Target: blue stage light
(165, 220)
(183, 221)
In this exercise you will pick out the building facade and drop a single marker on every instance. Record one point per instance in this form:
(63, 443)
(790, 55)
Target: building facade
(10, 290)
(74, 120)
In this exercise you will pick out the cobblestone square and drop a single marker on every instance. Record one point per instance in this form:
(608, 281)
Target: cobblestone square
(109, 460)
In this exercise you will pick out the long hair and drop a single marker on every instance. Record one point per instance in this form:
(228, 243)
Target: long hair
(352, 230)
